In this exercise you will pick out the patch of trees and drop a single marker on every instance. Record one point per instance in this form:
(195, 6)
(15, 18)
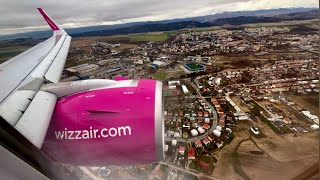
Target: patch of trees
(245, 77)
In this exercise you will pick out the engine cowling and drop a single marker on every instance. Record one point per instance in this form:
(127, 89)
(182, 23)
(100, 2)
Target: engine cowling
(118, 124)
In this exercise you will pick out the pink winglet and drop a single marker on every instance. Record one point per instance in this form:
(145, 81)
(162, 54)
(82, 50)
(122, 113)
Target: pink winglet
(50, 22)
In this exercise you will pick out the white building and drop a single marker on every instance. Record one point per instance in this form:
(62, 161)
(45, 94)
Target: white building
(166, 147)
(139, 62)
(177, 134)
(172, 87)
(314, 126)
(217, 133)
(170, 83)
(185, 89)
(312, 117)
(207, 120)
(174, 142)
(201, 130)
(194, 132)
(159, 63)
(219, 128)
(217, 81)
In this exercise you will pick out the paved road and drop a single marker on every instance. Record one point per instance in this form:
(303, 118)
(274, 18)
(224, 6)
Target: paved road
(185, 97)
(214, 123)
(199, 175)
(89, 173)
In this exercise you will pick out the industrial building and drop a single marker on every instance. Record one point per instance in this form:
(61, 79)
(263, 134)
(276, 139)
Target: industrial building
(82, 68)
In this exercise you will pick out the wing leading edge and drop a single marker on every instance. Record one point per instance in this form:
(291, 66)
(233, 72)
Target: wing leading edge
(21, 78)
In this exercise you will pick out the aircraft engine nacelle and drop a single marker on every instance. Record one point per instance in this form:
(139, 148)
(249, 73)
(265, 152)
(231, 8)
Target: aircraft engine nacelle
(121, 123)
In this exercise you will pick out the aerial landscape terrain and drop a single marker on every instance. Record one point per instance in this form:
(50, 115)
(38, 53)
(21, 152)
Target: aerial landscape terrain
(241, 90)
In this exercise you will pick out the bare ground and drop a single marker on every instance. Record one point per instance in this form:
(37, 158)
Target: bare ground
(228, 163)
(308, 102)
(277, 157)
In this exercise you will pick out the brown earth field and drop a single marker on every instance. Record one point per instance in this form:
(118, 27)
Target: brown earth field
(314, 22)
(80, 41)
(308, 102)
(270, 157)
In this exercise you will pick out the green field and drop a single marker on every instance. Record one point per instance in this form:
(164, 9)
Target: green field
(186, 30)
(148, 37)
(161, 75)
(117, 38)
(170, 33)
(194, 67)
(201, 29)
(140, 37)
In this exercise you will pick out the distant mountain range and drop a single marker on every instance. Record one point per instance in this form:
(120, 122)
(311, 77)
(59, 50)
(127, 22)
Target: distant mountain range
(230, 18)
(156, 26)
(264, 12)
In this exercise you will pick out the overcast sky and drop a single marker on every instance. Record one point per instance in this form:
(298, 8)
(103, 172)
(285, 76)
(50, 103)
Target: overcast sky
(22, 15)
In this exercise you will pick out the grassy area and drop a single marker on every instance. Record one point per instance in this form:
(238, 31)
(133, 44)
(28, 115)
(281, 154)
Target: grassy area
(229, 139)
(185, 30)
(161, 75)
(193, 166)
(206, 159)
(170, 33)
(148, 37)
(117, 38)
(201, 29)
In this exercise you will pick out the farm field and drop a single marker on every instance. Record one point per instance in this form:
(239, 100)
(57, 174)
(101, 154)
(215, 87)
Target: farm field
(148, 37)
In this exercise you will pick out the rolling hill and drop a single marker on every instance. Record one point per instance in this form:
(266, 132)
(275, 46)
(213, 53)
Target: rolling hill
(226, 18)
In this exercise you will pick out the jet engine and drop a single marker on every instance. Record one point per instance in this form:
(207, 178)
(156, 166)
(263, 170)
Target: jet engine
(103, 122)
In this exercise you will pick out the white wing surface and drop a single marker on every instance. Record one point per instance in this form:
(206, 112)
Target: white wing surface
(21, 103)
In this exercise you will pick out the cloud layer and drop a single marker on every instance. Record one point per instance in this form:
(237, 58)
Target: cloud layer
(21, 16)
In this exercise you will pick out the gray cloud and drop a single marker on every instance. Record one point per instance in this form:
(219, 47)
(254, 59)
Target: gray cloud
(19, 15)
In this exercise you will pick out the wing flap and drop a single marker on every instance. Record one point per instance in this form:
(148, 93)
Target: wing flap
(35, 121)
(16, 105)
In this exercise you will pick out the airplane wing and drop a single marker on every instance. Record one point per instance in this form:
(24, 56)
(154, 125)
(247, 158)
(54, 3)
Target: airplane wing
(22, 104)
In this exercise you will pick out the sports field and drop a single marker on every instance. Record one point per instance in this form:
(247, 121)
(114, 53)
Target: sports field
(194, 67)
(170, 92)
